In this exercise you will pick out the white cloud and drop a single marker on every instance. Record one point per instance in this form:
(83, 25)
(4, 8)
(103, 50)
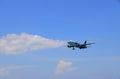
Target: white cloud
(16, 44)
(64, 67)
(5, 70)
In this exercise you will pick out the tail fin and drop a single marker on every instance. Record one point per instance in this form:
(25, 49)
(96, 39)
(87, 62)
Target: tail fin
(85, 42)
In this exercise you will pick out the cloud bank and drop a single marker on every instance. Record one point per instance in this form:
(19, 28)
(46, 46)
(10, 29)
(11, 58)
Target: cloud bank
(64, 67)
(5, 70)
(17, 44)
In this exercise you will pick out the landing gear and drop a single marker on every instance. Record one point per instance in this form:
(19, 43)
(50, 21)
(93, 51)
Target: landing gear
(73, 48)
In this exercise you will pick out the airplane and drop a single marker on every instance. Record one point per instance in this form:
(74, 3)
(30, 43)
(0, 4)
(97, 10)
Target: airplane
(73, 45)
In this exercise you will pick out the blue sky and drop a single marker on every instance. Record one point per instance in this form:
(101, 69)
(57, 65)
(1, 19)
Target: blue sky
(25, 22)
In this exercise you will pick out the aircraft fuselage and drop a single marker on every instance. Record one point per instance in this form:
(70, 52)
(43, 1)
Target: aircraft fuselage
(74, 45)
